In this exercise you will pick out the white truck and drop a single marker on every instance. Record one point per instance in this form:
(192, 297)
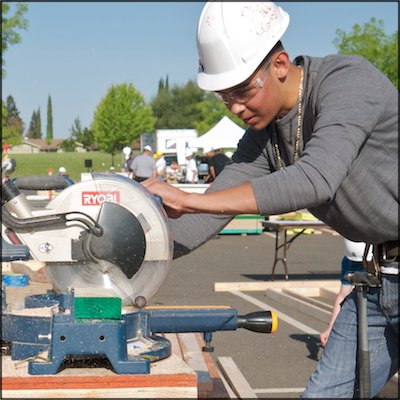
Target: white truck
(176, 141)
(173, 143)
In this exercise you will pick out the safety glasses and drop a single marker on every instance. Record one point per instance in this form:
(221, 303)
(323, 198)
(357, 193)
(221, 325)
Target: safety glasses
(244, 93)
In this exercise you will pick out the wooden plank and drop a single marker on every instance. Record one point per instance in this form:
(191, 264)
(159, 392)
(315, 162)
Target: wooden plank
(194, 359)
(230, 393)
(329, 294)
(86, 381)
(236, 379)
(169, 378)
(175, 345)
(219, 390)
(299, 305)
(109, 393)
(262, 286)
(304, 291)
(308, 296)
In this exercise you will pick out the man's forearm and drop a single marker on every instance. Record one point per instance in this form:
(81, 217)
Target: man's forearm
(236, 200)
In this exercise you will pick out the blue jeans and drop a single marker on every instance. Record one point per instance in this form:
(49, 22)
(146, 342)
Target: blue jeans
(336, 373)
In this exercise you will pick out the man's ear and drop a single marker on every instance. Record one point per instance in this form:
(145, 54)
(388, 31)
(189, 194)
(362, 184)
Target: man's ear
(281, 64)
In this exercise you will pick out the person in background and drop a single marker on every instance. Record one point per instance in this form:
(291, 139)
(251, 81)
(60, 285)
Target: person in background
(322, 135)
(128, 164)
(63, 173)
(351, 262)
(8, 166)
(217, 163)
(209, 178)
(143, 166)
(161, 164)
(191, 168)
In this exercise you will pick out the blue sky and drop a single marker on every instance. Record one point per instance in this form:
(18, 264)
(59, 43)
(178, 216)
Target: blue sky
(74, 51)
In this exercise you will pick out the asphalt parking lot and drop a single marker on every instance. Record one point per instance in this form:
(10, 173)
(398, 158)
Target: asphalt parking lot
(275, 365)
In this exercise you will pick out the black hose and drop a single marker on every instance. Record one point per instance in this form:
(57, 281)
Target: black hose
(40, 182)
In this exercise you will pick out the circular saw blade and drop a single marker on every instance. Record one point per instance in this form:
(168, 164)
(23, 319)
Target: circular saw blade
(133, 271)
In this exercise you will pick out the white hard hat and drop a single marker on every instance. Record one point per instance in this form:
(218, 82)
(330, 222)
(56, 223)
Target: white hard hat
(127, 151)
(233, 38)
(62, 170)
(354, 251)
(8, 165)
(147, 147)
(188, 153)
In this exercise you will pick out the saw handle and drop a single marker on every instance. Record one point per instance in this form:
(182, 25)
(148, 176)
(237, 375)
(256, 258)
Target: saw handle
(259, 321)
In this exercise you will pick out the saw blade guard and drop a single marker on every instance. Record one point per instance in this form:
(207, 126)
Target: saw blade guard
(133, 256)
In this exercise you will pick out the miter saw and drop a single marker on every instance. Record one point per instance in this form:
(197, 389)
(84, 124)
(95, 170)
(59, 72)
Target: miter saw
(106, 248)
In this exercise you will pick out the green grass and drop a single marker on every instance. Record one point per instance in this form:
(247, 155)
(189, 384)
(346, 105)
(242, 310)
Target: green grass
(39, 163)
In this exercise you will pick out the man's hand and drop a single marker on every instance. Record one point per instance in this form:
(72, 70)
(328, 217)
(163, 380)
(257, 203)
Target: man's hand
(324, 336)
(232, 201)
(172, 197)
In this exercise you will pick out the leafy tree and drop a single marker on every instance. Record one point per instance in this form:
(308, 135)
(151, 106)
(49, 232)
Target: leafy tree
(49, 127)
(212, 111)
(120, 118)
(188, 107)
(14, 122)
(10, 133)
(10, 25)
(161, 105)
(3, 116)
(83, 136)
(371, 42)
(68, 145)
(11, 107)
(176, 108)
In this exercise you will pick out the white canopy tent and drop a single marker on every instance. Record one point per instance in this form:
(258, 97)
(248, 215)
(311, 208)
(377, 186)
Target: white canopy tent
(224, 135)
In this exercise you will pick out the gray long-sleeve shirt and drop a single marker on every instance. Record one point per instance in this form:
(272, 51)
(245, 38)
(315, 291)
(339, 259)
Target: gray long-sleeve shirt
(347, 175)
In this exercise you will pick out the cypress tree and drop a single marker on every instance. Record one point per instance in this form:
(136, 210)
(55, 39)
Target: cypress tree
(32, 126)
(49, 127)
(38, 133)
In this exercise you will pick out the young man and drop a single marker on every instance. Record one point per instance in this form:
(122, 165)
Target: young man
(323, 135)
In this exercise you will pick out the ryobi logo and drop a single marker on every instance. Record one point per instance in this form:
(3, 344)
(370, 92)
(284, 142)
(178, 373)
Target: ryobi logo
(96, 198)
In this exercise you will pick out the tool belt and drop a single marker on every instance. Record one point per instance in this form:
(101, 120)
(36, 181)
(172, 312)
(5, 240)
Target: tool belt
(383, 254)
(389, 251)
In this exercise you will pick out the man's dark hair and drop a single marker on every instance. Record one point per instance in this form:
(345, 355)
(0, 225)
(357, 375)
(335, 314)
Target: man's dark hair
(277, 48)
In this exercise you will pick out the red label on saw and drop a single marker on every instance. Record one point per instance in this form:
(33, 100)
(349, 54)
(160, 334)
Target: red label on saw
(96, 198)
